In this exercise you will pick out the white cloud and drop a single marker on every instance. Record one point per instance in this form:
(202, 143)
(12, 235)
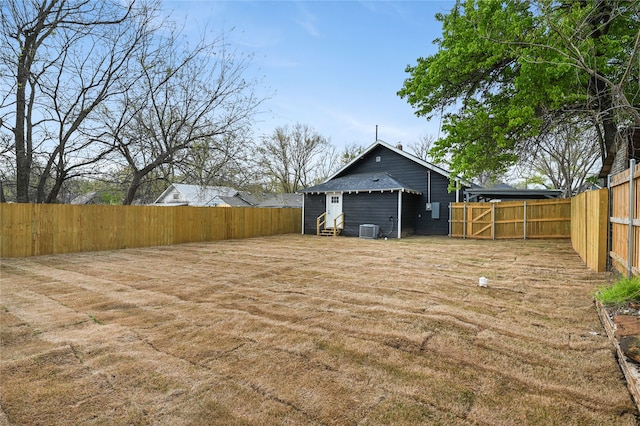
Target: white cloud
(308, 21)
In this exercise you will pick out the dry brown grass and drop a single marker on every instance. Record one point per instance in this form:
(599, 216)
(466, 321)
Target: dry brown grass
(308, 330)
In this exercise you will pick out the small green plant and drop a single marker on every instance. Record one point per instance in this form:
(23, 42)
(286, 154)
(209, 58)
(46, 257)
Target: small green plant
(96, 320)
(622, 291)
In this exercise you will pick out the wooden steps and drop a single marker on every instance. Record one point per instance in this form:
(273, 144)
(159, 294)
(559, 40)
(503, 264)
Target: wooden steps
(328, 232)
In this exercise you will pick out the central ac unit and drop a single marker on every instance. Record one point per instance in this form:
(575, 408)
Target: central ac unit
(369, 231)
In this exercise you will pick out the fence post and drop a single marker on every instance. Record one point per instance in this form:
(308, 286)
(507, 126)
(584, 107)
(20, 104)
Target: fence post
(464, 221)
(493, 221)
(524, 223)
(632, 168)
(609, 261)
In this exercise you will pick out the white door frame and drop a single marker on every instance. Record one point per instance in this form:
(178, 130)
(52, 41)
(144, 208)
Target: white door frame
(333, 208)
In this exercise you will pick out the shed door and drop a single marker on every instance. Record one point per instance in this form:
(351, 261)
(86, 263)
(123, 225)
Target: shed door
(334, 209)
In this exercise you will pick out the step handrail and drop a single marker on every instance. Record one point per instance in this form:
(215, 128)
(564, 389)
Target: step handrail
(320, 221)
(338, 224)
(340, 217)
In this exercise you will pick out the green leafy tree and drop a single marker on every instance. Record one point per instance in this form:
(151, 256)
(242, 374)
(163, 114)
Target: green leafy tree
(504, 70)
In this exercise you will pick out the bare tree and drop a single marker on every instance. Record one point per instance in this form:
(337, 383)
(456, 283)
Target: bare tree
(187, 100)
(64, 59)
(565, 158)
(289, 157)
(422, 148)
(222, 160)
(349, 153)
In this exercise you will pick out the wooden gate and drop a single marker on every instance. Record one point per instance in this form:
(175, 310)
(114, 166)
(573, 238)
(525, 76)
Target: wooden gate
(480, 220)
(511, 219)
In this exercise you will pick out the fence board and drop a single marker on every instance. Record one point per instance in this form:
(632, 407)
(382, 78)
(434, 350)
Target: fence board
(38, 229)
(624, 216)
(589, 215)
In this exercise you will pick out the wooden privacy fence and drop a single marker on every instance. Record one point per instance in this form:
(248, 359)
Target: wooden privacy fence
(589, 216)
(582, 218)
(38, 229)
(511, 219)
(625, 221)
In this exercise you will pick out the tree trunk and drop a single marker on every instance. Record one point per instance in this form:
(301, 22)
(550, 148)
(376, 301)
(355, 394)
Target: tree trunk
(605, 105)
(133, 188)
(53, 194)
(23, 163)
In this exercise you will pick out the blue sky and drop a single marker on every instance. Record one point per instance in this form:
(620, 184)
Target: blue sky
(333, 65)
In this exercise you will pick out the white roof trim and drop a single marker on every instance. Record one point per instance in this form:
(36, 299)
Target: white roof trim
(165, 192)
(357, 191)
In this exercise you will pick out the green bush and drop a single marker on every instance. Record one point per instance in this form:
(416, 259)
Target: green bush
(622, 291)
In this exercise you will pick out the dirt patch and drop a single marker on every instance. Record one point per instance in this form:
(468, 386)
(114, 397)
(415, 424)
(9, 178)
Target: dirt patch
(309, 330)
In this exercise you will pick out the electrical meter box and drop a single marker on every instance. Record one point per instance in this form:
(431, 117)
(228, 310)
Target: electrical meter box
(434, 208)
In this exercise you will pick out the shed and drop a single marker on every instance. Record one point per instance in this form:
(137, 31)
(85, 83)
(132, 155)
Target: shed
(384, 189)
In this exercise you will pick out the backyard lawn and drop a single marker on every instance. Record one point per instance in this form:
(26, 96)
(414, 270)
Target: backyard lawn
(308, 330)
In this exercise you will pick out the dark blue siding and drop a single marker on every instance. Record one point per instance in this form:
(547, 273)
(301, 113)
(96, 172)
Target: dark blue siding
(370, 208)
(416, 177)
(409, 204)
(314, 206)
(376, 208)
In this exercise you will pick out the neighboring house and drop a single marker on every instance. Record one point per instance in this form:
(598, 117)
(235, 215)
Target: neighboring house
(391, 192)
(587, 186)
(504, 192)
(179, 194)
(92, 197)
(626, 147)
(280, 200)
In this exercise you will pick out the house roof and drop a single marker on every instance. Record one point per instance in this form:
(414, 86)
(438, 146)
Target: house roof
(196, 195)
(87, 198)
(207, 196)
(235, 201)
(509, 193)
(281, 200)
(401, 152)
(364, 182)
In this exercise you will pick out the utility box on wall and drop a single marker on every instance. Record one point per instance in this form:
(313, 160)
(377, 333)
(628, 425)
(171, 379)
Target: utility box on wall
(435, 210)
